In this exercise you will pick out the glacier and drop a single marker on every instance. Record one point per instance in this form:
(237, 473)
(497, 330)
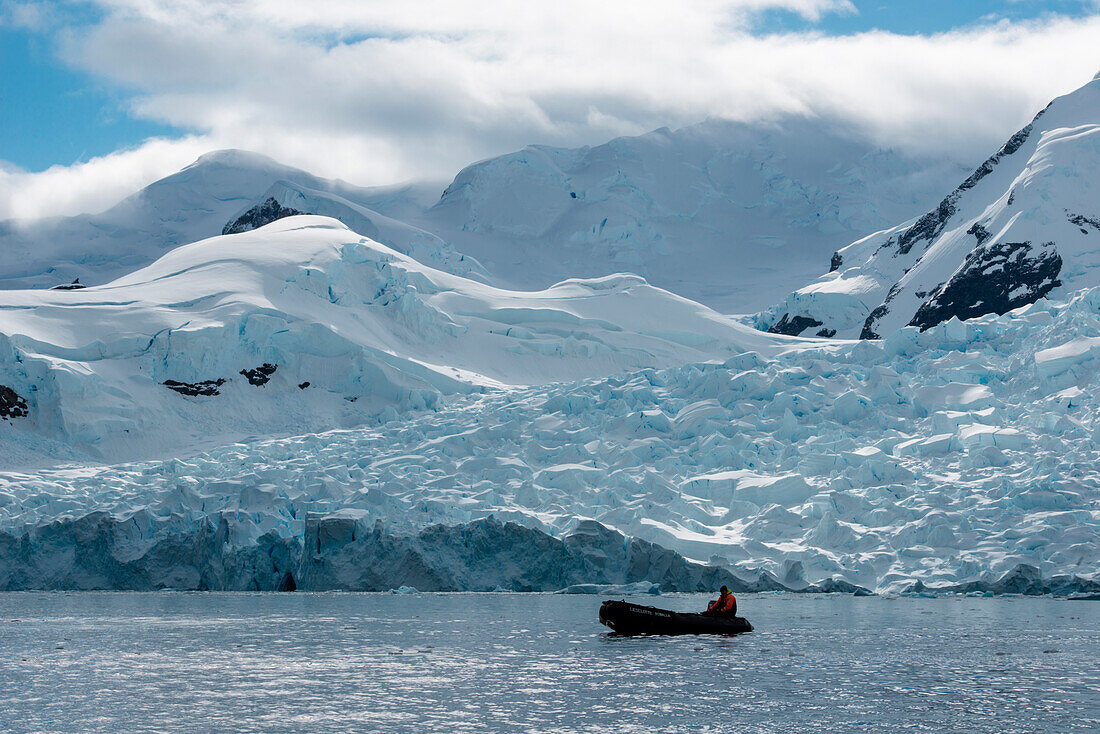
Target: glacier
(601, 431)
(266, 380)
(304, 325)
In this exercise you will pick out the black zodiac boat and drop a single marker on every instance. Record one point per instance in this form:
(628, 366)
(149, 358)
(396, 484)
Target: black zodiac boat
(634, 619)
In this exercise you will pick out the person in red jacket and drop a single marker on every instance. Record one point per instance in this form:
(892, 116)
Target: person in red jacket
(724, 606)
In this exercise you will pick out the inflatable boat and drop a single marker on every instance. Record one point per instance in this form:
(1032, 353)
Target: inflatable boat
(634, 619)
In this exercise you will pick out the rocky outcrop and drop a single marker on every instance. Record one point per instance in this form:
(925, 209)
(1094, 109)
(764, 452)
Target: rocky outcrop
(76, 285)
(994, 279)
(203, 387)
(12, 404)
(1084, 222)
(793, 325)
(261, 375)
(931, 225)
(262, 214)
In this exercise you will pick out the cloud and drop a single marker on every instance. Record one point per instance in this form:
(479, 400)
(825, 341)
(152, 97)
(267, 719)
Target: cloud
(42, 16)
(34, 16)
(375, 91)
(562, 18)
(95, 184)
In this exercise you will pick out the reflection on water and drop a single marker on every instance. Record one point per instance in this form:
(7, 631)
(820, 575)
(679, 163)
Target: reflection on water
(487, 662)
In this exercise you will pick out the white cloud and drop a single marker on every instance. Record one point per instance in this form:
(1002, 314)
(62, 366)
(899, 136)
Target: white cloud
(95, 184)
(446, 17)
(35, 16)
(375, 91)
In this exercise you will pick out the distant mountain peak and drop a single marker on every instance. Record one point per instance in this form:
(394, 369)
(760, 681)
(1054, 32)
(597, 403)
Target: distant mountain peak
(1024, 224)
(728, 213)
(236, 157)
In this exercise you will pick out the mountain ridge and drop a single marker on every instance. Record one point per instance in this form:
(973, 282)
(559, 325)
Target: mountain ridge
(195, 203)
(1021, 226)
(728, 214)
(724, 213)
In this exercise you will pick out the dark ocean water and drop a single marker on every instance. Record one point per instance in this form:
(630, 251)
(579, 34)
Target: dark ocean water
(210, 662)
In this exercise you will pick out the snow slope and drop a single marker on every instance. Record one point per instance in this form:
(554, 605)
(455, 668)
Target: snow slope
(311, 403)
(196, 203)
(729, 214)
(304, 325)
(1024, 225)
(963, 455)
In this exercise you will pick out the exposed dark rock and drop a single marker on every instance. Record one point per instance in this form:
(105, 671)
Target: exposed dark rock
(993, 279)
(929, 227)
(868, 331)
(12, 404)
(1081, 220)
(835, 262)
(303, 385)
(572, 194)
(827, 333)
(793, 325)
(258, 216)
(260, 375)
(74, 286)
(981, 234)
(881, 310)
(205, 387)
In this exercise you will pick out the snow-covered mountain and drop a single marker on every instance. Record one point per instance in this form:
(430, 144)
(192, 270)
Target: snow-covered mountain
(1024, 225)
(303, 325)
(216, 192)
(960, 457)
(328, 395)
(729, 214)
(316, 407)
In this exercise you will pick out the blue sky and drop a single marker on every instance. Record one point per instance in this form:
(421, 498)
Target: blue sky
(104, 95)
(935, 16)
(56, 114)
